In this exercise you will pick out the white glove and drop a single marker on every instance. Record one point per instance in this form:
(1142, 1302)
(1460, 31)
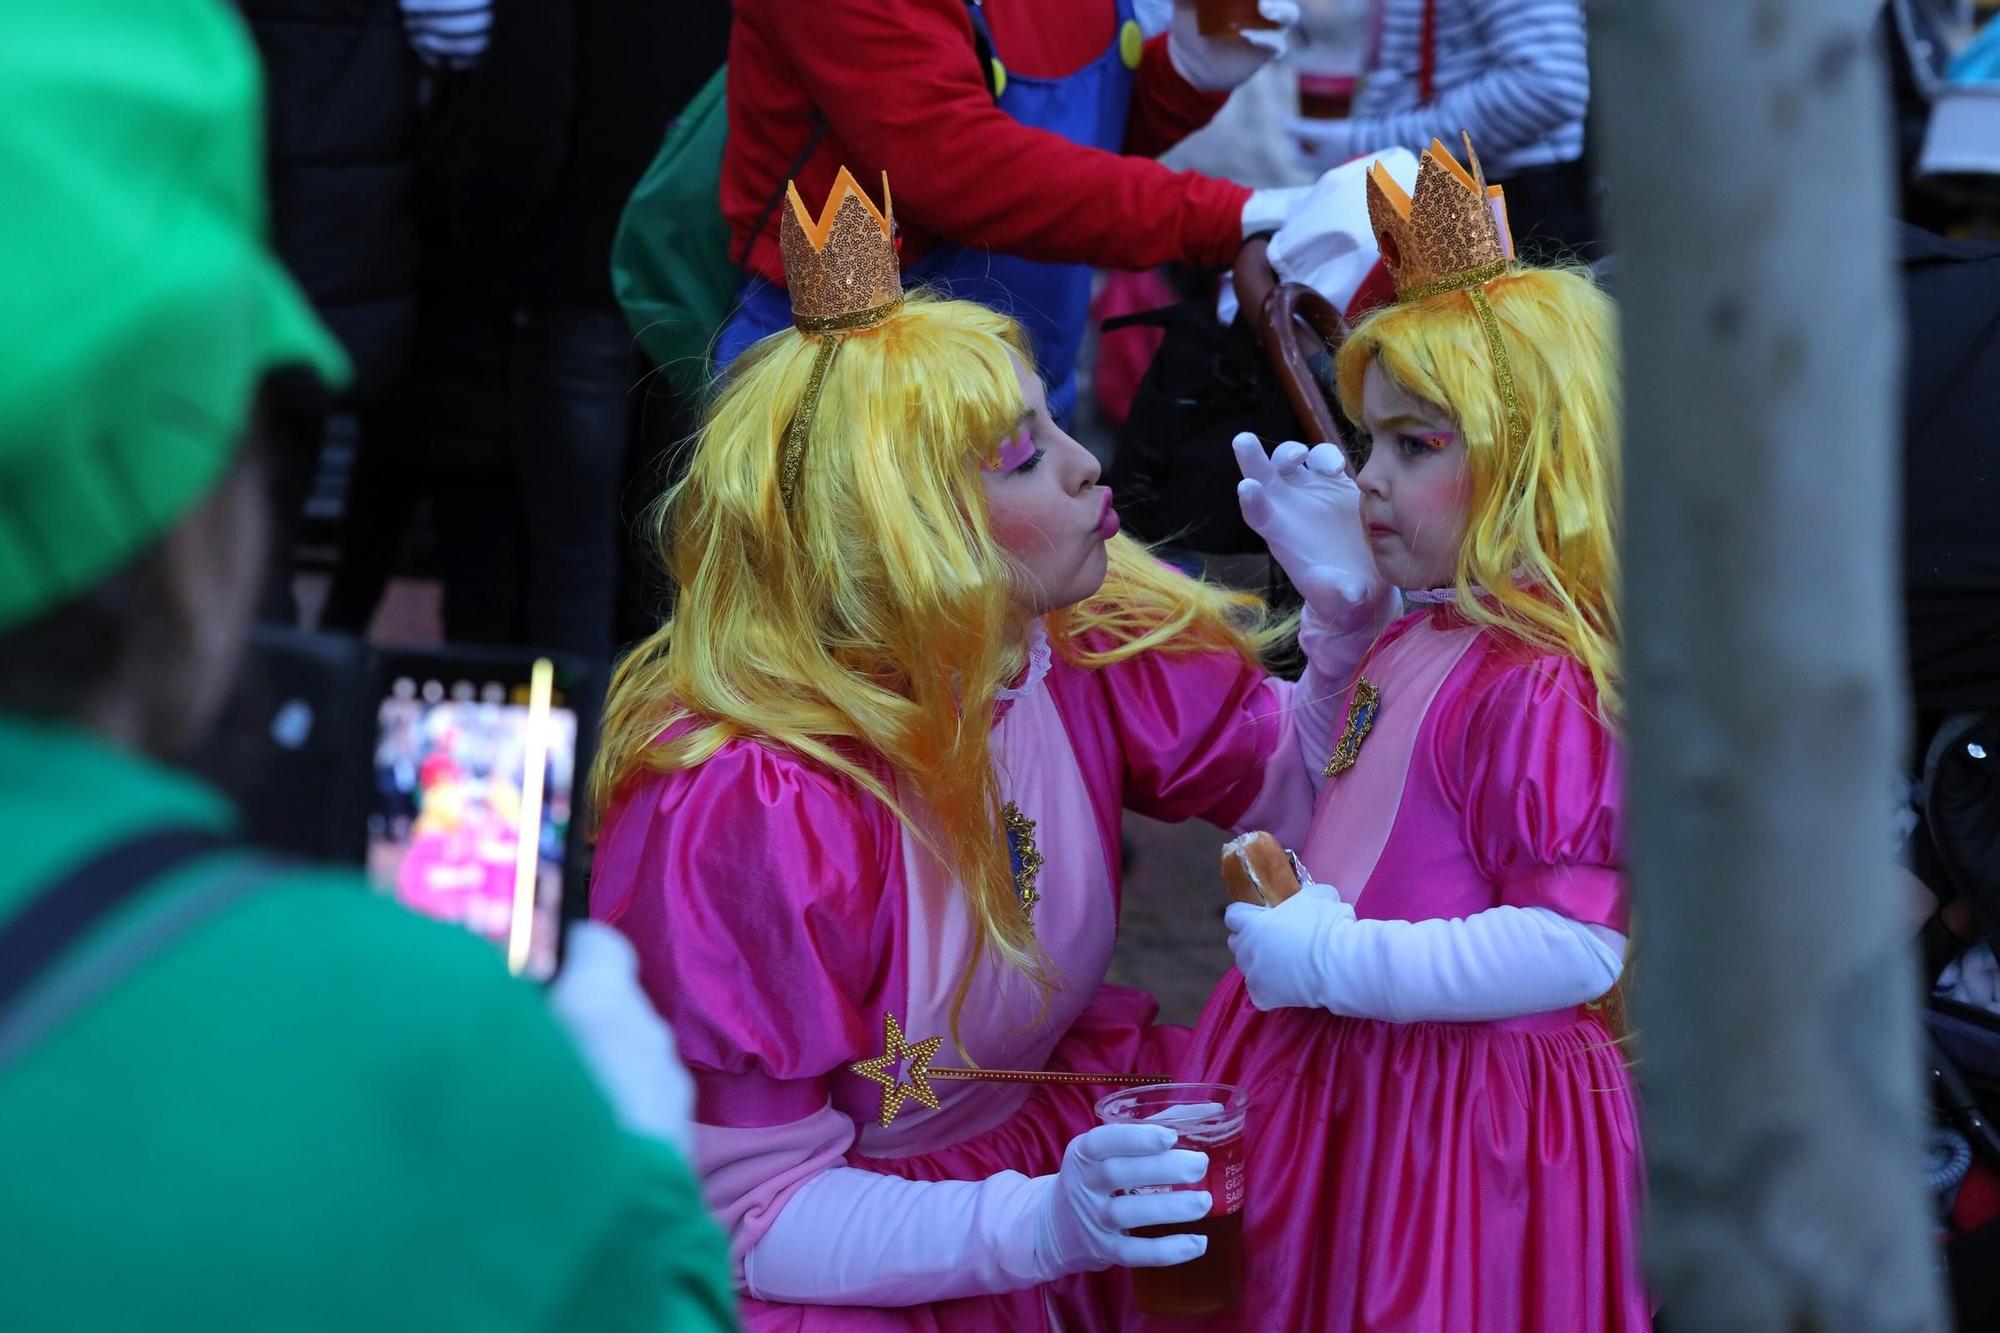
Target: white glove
(625, 1043)
(853, 1237)
(1311, 951)
(1217, 64)
(1084, 1228)
(1268, 210)
(1306, 507)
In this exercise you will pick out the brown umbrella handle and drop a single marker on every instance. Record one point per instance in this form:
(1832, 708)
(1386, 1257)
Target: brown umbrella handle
(1254, 278)
(1290, 313)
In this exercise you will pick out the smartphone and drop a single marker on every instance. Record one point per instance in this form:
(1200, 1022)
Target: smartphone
(479, 761)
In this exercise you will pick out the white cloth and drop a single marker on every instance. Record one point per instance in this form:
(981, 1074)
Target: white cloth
(1325, 240)
(623, 1041)
(852, 1237)
(1038, 665)
(1311, 951)
(1973, 978)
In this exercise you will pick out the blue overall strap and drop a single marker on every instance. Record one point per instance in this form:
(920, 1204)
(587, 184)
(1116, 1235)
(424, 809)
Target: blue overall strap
(46, 974)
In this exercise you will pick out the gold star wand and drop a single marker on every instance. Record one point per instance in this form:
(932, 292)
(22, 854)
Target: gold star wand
(897, 1049)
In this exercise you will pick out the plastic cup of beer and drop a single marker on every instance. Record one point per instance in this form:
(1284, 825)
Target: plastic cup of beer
(1326, 95)
(1212, 18)
(1208, 1118)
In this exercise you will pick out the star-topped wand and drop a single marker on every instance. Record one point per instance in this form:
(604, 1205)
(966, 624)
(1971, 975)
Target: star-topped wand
(916, 1086)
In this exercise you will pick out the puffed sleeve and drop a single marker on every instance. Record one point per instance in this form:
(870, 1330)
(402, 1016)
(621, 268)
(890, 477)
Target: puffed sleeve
(1544, 798)
(1207, 736)
(751, 887)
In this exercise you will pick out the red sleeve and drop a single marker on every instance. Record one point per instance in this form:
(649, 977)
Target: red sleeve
(901, 94)
(1166, 108)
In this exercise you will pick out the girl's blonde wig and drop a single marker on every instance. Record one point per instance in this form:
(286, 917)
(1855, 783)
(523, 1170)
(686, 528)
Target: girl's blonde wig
(1542, 536)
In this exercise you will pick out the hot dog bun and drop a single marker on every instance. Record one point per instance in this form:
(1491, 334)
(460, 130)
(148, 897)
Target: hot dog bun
(1256, 870)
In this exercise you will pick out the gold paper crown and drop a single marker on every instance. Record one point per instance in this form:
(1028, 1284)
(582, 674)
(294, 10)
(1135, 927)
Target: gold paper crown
(840, 268)
(1451, 234)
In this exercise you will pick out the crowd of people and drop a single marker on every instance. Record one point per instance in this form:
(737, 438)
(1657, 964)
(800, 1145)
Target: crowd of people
(831, 1044)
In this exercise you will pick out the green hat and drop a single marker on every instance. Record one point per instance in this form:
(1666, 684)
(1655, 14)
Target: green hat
(140, 304)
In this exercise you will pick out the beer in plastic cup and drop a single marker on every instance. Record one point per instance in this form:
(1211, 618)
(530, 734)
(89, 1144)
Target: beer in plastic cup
(1212, 18)
(1208, 1118)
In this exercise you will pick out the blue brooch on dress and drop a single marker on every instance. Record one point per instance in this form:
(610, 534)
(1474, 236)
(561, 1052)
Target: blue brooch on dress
(1023, 857)
(1362, 711)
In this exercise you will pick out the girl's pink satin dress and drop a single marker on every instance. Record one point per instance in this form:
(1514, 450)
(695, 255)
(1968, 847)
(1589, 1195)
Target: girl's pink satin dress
(1447, 1177)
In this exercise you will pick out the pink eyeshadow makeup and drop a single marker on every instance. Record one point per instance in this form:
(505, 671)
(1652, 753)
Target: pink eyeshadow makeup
(1015, 450)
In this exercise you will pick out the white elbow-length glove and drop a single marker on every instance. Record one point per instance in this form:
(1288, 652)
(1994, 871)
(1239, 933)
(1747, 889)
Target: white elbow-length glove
(852, 1237)
(1305, 505)
(1311, 951)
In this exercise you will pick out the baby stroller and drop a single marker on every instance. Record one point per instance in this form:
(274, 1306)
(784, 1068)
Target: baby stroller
(1269, 371)
(1951, 563)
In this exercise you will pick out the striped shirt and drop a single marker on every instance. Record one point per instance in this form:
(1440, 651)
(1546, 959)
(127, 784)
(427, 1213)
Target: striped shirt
(1513, 73)
(448, 34)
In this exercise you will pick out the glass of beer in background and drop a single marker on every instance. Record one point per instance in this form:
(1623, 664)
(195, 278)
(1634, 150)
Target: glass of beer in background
(1212, 18)
(1209, 1118)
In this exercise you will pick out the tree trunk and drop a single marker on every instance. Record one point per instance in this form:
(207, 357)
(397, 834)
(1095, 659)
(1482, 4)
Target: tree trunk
(1745, 143)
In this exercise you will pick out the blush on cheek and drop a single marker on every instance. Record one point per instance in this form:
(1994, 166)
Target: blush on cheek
(1018, 534)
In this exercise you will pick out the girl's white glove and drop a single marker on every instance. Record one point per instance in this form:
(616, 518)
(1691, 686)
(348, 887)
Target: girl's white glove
(1225, 61)
(1307, 508)
(1310, 951)
(627, 1046)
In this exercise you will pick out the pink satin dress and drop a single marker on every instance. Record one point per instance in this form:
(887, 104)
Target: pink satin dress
(780, 913)
(1447, 1177)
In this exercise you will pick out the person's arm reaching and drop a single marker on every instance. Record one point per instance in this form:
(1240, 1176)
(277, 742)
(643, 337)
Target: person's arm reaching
(1184, 78)
(965, 170)
(1535, 79)
(852, 1237)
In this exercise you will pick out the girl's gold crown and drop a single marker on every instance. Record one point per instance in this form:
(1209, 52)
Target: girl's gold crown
(840, 267)
(1451, 234)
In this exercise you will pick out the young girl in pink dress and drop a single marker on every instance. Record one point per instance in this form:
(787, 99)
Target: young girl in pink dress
(1443, 1136)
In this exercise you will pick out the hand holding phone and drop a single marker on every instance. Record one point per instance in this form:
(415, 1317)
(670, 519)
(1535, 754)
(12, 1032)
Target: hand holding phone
(627, 1045)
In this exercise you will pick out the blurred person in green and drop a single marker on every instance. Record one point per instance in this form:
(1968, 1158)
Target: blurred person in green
(236, 1094)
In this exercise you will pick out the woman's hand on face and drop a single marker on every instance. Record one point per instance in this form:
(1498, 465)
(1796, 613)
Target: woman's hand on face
(1305, 505)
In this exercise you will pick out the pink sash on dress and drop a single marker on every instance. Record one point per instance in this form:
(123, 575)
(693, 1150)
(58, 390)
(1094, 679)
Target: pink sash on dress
(1357, 808)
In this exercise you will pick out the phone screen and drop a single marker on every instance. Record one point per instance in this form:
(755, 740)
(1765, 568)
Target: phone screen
(469, 818)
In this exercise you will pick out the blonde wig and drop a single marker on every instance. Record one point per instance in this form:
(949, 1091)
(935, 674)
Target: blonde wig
(868, 624)
(1541, 539)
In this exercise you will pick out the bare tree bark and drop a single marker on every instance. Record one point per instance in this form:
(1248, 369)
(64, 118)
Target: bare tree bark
(1745, 143)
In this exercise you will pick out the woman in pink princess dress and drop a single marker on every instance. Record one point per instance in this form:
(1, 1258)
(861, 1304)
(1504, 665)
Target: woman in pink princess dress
(1444, 1137)
(864, 822)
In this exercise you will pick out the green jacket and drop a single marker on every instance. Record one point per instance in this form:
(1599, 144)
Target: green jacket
(315, 1111)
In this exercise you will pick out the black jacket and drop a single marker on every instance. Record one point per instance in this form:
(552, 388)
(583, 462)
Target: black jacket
(1951, 471)
(341, 88)
(532, 153)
